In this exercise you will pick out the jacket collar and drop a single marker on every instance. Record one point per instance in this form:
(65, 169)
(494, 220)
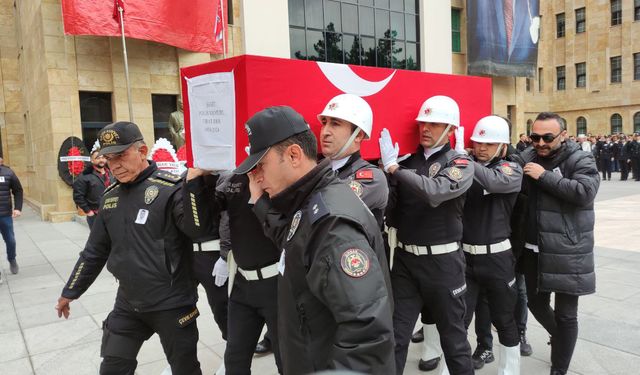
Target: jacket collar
(352, 159)
(421, 152)
(290, 199)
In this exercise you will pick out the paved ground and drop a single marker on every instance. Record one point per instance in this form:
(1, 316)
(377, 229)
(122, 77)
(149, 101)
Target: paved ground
(34, 341)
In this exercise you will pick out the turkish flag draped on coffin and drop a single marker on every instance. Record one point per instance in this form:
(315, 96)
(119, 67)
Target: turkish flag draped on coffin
(187, 25)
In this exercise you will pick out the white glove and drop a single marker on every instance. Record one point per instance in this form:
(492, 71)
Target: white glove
(459, 134)
(220, 272)
(388, 152)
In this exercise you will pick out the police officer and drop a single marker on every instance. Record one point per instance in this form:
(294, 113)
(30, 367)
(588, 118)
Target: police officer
(334, 299)
(426, 201)
(346, 122)
(140, 236)
(490, 264)
(606, 158)
(253, 260)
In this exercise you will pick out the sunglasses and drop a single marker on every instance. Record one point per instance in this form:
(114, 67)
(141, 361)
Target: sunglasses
(547, 138)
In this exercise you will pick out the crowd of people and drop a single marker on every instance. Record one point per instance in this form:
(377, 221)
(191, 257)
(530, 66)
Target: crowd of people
(340, 257)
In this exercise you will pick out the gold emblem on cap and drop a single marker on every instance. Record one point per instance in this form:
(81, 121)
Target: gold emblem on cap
(150, 194)
(109, 138)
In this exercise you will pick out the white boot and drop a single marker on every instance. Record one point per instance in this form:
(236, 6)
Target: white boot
(431, 345)
(509, 363)
(221, 370)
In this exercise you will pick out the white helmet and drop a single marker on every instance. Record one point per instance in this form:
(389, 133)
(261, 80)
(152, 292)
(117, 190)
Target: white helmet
(350, 108)
(440, 109)
(491, 129)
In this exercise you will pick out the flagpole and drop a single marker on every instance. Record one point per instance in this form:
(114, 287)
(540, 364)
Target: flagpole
(126, 63)
(224, 39)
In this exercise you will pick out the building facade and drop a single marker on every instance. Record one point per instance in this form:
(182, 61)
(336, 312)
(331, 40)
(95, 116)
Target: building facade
(55, 85)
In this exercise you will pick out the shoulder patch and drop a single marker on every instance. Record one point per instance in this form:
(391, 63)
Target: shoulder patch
(364, 174)
(454, 173)
(462, 163)
(317, 208)
(355, 263)
(169, 177)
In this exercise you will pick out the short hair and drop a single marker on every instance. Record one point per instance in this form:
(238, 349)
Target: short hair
(306, 140)
(542, 116)
(94, 151)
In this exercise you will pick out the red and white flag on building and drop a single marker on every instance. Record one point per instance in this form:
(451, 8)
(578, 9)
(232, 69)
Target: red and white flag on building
(188, 25)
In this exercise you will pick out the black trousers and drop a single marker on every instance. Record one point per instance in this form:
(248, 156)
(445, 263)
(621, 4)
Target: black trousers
(124, 331)
(90, 221)
(437, 284)
(607, 166)
(561, 322)
(484, 338)
(624, 169)
(251, 305)
(494, 274)
(635, 165)
(203, 262)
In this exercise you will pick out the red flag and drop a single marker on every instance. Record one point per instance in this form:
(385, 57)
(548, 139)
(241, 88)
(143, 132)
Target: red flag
(116, 13)
(187, 25)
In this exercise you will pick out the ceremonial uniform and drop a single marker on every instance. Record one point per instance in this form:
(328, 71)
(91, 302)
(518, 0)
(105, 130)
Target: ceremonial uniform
(426, 202)
(140, 236)
(334, 293)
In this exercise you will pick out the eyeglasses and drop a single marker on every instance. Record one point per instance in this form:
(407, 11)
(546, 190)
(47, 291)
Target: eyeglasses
(547, 138)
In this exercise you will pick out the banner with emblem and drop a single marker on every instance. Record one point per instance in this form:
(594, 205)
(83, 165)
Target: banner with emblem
(212, 121)
(395, 96)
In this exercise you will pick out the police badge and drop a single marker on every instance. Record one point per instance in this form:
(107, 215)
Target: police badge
(434, 169)
(294, 224)
(150, 194)
(356, 187)
(354, 262)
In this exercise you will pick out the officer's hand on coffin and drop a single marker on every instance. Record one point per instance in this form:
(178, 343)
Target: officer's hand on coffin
(195, 173)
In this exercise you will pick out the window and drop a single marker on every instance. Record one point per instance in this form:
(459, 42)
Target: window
(636, 122)
(616, 69)
(527, 84)
(581, 74)
(382, 33)
(540, 87)
(581, 20)
(581, 125)
(560, 25)
(455, 30)
(636, 10)
(616, 12)
(616, 123)
(95, 113)
(529, 125)
(560, 78)
(229, 12)
(636, 66)
(162, 107)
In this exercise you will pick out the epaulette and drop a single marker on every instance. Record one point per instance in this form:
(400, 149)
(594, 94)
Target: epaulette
(111, 187)
(165, 176)
(461, 161)
(317, 208)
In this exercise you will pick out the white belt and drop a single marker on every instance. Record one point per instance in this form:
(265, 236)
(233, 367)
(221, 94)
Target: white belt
(260, 274)
(487, 249)
(430, 249)
(207, 246)
(532, 247)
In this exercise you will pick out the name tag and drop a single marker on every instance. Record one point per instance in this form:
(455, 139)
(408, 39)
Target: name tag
(1, 178)
(281, 263)
(142, 217)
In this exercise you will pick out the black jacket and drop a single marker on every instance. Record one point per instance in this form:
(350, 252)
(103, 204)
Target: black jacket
(9, 185)
(334, 296)
(563, 201)
(89, 187)
(140, 235)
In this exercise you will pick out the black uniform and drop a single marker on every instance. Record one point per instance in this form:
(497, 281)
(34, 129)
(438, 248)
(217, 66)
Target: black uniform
(426, 202)
(623, 159)
(368, 182)
(606, 159)
(140, 236)
(490, 263)
(634, 155)
(254, 294)
(334, 296)
(88, 189)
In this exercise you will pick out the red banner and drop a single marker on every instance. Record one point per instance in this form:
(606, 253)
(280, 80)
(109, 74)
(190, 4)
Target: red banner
(395, 95)
(188, 25)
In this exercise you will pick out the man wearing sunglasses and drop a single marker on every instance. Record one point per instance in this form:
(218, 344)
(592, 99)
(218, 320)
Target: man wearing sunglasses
(561, 182)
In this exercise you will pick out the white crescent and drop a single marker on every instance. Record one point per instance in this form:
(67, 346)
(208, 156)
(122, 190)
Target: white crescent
(347, 81)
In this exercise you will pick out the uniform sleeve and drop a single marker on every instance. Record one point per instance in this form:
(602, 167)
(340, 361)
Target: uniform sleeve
(450, 182)
(580, 188)
(16, 190)
(92, 260)
(347, 278)
(375, 191)
(274, 223)
(504, 178)
(196, 207)
(80, 187)
(225, 235)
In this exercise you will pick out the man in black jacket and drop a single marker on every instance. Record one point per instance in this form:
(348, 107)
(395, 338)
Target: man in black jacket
(334, 292)
(561, 181)
(9, 185)
(89, 187)
(141, 236)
